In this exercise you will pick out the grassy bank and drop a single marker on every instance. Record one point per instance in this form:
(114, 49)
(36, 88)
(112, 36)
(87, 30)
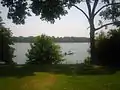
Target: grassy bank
(58, 77)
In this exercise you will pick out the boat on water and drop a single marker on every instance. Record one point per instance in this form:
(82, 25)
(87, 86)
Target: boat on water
(69, 53)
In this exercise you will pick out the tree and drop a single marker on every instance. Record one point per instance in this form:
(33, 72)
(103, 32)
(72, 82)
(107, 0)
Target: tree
(44, 51)
(49, 10)
(6, 51)
(108, 48)
(1, 21)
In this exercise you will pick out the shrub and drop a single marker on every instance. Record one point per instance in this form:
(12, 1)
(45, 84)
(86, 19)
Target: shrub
(108, 48)
(44, 51)
(87, 60)
(6, 51)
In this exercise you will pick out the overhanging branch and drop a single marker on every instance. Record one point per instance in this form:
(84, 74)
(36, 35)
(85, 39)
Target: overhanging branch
(89, 7)
(107, 25)
(81, 11)
(104, 7)
(94, 6)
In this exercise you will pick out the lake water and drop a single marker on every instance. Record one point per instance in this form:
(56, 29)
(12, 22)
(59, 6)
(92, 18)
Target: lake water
(79, 49)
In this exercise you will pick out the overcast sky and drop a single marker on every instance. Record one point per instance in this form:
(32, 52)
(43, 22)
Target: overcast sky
(73, 24)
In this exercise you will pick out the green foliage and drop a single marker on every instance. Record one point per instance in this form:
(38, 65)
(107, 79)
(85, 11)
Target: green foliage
(87, 60)
(6, 51)
(112, 12)
(44, 51)
(49, 10)
(108, 48)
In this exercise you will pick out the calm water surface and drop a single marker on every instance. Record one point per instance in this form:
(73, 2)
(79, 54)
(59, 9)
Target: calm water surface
(79, 49)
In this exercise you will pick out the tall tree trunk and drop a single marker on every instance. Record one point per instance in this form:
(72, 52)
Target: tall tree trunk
(92, 45)
(92, 40)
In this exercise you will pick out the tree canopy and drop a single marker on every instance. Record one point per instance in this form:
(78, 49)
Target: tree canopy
(49, 10)
(6, 50)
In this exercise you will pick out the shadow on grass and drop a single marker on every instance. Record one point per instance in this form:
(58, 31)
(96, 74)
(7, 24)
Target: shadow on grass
(20, 71)
(15, 71)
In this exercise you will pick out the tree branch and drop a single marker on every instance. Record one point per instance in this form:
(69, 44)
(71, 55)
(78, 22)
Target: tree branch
(94, 6)
(89, 7)
(104, 7)
(81, 11)
(107, 25)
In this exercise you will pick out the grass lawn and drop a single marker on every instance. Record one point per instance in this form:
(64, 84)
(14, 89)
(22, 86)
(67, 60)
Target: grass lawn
(29, 79)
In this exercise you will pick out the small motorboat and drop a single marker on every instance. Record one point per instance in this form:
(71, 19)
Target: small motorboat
(69, 53)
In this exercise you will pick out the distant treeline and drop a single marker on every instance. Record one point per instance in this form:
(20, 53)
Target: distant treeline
(56, 39)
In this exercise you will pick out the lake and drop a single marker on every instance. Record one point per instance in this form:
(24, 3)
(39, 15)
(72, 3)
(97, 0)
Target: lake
(79, 49)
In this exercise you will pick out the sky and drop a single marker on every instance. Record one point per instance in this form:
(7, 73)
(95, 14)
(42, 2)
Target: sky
(73, 24)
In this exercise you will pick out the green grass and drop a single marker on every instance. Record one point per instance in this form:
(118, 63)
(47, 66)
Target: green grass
(60, 77)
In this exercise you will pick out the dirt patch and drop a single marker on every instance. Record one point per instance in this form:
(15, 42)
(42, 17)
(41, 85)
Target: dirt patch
(44, 84)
